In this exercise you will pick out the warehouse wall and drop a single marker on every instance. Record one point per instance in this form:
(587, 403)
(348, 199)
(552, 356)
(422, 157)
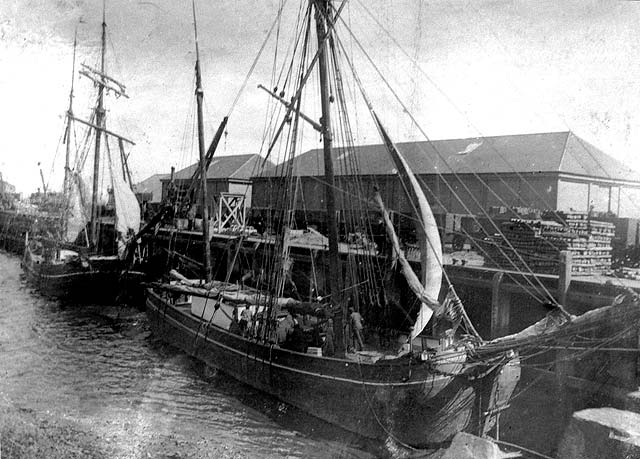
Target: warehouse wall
(484, 191)
(537, 190)
(214, 188)
(454, 194)
(534, 190)
(242, 188)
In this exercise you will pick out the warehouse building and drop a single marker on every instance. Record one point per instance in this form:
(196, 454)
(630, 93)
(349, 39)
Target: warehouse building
(544, 171)
(150, 189)
(226, 174)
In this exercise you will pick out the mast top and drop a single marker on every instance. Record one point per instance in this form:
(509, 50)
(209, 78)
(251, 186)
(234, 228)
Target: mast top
(195, 29)
(201, 150)
(73, 70)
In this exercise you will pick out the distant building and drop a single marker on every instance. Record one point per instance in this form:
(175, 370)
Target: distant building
(6, 187)
(226, 174)
(547, 171)
(8, 195)
(150, 189)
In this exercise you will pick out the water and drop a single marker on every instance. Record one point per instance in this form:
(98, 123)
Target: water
(90, 381)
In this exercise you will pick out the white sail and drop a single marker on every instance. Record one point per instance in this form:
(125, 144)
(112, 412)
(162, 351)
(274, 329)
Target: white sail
(428, 238)
(127, 208)
(78, 213)
(426, 311)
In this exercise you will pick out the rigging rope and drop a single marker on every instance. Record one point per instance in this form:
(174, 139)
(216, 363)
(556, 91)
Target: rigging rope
(562, 118)
(471, 194)
(460, 111)
(276, 21)
(445, 181)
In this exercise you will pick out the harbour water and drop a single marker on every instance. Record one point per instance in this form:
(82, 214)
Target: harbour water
(90, 381)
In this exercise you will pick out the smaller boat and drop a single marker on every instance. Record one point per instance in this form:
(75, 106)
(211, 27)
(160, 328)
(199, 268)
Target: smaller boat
(84, 253)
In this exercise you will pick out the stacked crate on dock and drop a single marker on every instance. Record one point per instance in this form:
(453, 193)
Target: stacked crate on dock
(537, 243)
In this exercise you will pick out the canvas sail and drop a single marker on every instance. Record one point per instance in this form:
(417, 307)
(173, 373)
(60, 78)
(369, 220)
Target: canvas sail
(127, 208)
(78, 212)
(426, 310)
(428, 239)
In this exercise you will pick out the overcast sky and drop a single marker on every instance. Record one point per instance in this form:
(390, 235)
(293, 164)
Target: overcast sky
(485, 68)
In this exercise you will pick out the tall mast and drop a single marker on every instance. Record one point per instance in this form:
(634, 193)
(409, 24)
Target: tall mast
(322, 11)
(201, 150)
(66, 185)
(100, 124)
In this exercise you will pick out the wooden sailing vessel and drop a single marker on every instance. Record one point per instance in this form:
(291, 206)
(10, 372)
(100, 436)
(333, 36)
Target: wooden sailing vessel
(85, 254)
(438, 378)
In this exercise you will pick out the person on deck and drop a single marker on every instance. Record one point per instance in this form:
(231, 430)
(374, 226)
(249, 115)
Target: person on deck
(356, 322)
(327, 346)
(191, 217)
(245, 317)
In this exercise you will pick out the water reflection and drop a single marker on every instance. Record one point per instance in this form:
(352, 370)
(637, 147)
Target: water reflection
(96, 374)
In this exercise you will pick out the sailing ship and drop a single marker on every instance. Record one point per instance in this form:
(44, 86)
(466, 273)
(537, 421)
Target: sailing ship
(86, 253)
(416, 384)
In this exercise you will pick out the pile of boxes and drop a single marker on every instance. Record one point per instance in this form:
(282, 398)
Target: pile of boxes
(537, 243)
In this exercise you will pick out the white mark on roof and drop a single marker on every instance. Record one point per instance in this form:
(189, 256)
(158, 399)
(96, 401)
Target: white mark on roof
(471, 147)
(344, 155)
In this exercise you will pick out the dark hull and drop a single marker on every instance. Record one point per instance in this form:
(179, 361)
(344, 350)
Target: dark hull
(13, 228)
(414, 402)
(101, 280)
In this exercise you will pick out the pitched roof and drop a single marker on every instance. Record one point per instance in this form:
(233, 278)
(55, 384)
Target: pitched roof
(152, 185)
(524, 153)
(241, 167)
(149, 182)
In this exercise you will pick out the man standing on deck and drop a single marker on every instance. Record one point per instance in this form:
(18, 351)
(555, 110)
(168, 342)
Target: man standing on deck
(191, 217)
(327, 347)
(356, 327)
(245, 319)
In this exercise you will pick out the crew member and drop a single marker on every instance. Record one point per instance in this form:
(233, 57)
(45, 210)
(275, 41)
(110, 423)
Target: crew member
(356, 327)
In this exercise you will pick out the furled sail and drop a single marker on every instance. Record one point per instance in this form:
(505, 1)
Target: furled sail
(127, 208)
(428, 237)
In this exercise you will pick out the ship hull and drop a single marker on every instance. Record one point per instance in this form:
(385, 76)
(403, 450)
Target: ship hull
(97, 279)
(412, 402)
(14, 226)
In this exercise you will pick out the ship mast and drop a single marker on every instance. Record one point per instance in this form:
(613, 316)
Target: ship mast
(202, 152)
(100, 127)
(322, 8)
(67, 171)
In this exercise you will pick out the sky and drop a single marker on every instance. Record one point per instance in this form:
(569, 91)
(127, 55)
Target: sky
(464, 68)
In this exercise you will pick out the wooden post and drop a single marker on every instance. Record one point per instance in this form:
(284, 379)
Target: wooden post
(564, 277)
(500, 308)
(638, 356)
(564, 366)
(230, 257)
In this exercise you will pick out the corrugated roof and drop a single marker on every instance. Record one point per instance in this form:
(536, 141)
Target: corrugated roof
(241, 167)
(524, 153)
